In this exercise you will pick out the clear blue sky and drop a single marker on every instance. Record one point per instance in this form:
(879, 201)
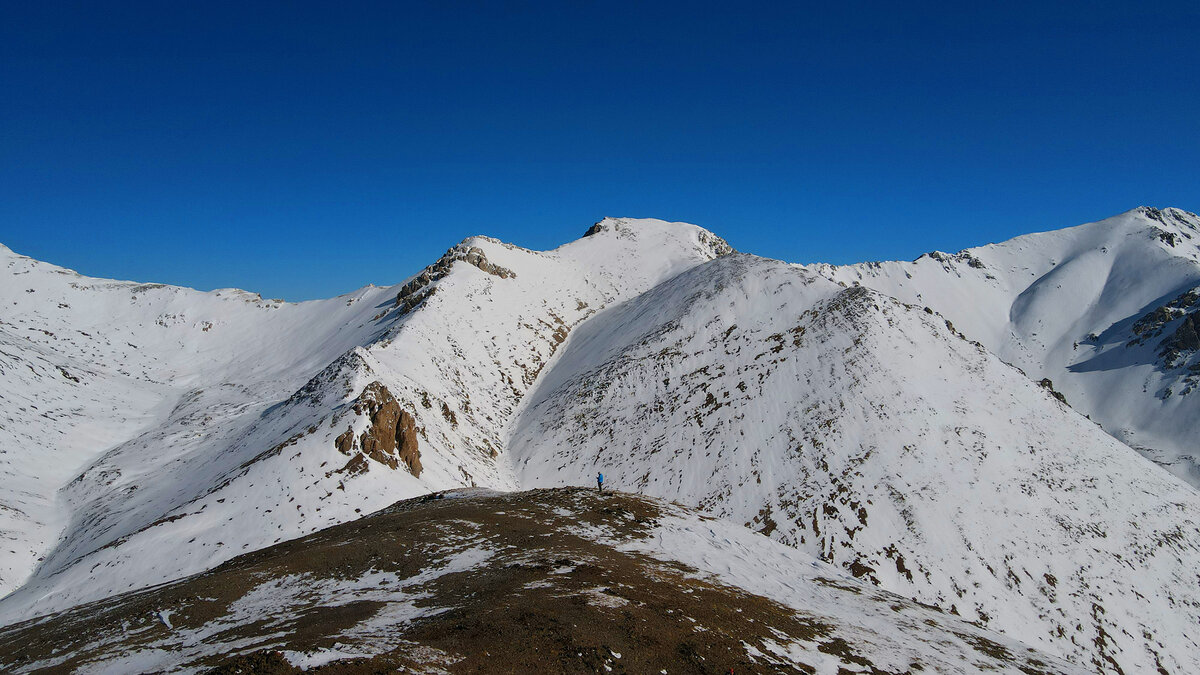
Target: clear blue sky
(304, 149)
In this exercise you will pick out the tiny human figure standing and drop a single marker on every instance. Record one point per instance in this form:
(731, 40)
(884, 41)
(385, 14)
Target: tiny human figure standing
(600, 482)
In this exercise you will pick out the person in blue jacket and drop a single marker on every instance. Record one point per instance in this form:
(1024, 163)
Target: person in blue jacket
(600, 482)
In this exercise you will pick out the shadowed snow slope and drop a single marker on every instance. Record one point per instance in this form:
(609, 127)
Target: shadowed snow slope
(535, 582)
(151, 433)
(1106, 310)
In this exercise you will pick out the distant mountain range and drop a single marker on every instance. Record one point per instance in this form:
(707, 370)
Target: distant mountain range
(1005, 434)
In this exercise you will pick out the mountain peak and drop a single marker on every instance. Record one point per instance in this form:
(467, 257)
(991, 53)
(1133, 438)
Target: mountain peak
(614, 224)
(1169, 216)
(653, 233)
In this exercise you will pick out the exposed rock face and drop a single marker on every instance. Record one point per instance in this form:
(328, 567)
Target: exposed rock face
(449, 414)
(1176, 348)
(1171, 216)
(406, 436)
(1185, 339)
(407, 303)
(345, 442)
(476, 257)
(391, 437)
(1151, 324)
(947, 259)
(416, 291)
(719, 245)
(1168, 238)
(1047, 384)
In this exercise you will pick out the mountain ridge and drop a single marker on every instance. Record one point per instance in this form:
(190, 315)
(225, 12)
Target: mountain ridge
(867, 428)
(1062, 305)
(388, 340)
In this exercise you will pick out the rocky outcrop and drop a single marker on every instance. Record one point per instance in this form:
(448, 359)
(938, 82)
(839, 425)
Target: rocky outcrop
(1151, 324)
(963, 256)
(1047, 384)
(718, 245)
(391, 434)
(449, 414)
(416, 290)
(1184, 340)
(1170, 216)
(345, 442)
(408, 303)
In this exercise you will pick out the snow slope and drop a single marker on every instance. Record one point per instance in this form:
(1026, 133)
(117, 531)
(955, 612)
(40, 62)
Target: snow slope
(91, 365)
(255, 424)
(1101, 309)
(870, 434)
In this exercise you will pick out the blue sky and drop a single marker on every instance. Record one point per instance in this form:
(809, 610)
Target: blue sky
(304, 149)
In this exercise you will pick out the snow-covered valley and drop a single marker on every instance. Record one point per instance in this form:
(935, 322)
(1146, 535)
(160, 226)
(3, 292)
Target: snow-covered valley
(904, 423)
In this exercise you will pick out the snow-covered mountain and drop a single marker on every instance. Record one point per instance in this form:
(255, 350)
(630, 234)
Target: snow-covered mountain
(1107, 311)
(873, 435)
(98, 372)
(157, 431)
(153, 432)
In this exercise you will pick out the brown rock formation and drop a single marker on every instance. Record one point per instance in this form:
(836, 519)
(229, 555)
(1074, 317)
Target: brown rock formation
(345, 442)
(391, 436)
(406, 436)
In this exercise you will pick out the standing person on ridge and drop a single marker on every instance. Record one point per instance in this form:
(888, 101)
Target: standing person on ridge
(599, 482)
